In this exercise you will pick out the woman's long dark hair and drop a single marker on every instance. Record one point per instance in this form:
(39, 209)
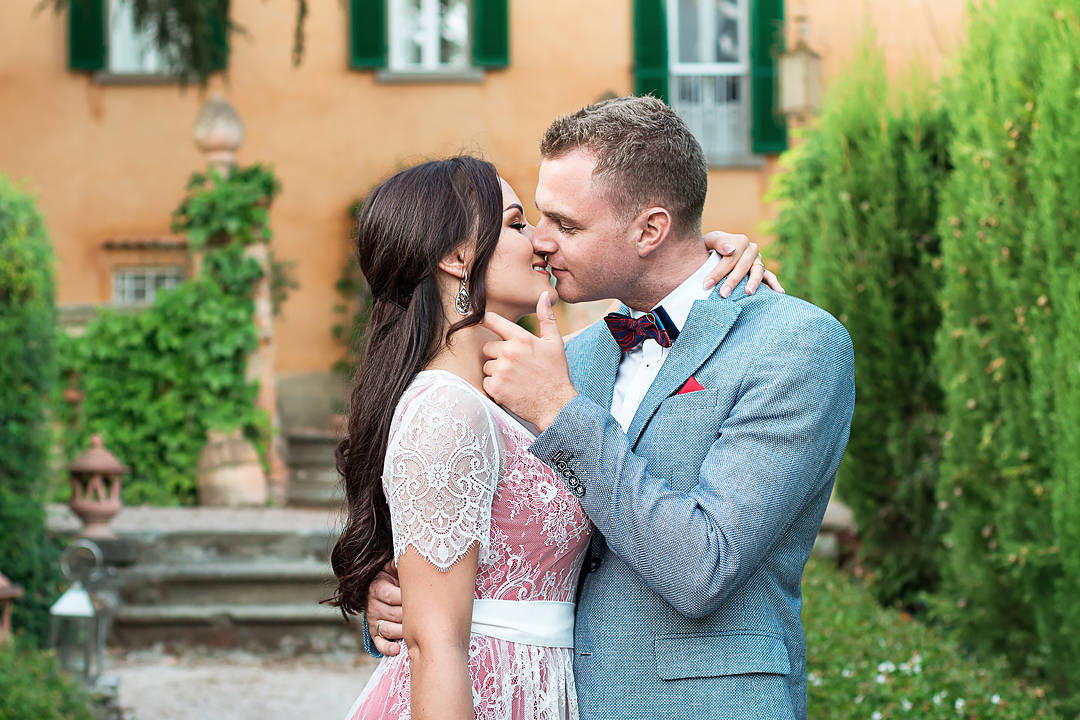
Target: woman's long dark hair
(406, 226)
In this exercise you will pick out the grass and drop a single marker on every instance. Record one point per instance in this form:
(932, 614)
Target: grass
(870, 663)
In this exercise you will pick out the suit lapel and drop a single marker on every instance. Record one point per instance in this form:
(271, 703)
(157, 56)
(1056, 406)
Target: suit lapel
(596, 364)
(708, 324)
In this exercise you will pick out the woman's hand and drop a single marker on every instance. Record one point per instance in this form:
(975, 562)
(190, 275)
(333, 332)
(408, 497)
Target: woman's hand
(384, 611)
(739, 258)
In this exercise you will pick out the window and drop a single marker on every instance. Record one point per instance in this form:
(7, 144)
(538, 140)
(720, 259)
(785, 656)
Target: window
(709, 64)
(131, 51)
(429, 40)
(429, 35)
(714, 61)
(140, 285)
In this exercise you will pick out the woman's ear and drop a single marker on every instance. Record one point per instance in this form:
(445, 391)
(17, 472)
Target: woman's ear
(454, 264)
(655, 226)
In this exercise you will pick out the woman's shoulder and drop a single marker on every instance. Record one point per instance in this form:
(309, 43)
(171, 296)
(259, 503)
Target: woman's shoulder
(438, 395)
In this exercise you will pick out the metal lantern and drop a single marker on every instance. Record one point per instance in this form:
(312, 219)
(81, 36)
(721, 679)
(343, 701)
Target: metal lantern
(96, 477)
(8, 593)
(800, 77)
(77, 619)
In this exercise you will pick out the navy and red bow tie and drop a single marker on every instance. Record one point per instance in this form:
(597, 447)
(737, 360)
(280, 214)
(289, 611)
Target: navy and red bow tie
(630, 332)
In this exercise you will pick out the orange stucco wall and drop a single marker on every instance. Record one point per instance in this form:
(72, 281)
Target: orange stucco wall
(110, 160)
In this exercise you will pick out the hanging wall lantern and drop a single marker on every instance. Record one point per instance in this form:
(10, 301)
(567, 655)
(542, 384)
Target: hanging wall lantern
(800, 77)
(77, 619)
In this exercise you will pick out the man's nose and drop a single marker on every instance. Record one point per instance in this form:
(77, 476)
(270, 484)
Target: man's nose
(543, 239)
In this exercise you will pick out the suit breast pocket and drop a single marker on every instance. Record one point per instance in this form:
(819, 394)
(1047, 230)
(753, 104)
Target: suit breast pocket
(679, 435)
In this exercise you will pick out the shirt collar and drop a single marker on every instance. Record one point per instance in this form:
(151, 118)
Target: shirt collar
(679, 301)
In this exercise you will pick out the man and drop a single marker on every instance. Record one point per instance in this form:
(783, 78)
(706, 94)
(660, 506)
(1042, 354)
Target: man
(701, 434)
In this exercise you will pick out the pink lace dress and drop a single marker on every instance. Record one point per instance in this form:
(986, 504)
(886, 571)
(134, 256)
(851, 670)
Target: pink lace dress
(458, 472)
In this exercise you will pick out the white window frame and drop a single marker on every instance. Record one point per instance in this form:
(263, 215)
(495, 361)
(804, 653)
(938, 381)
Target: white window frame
(722, 127)
(431, 24)
(130, 51)
(124, 280)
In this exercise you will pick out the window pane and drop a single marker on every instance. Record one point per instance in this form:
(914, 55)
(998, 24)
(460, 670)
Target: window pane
(453, 33)
(708, 31)
(727, 31)
(130, 51)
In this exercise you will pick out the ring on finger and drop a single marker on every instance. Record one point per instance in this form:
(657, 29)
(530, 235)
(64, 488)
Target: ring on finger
(378, 628)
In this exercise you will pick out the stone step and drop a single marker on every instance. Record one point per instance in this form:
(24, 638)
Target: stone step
(239, 584)
(313, 475)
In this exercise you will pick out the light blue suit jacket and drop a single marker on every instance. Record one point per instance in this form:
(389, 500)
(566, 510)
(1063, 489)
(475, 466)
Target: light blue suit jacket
(708, 508)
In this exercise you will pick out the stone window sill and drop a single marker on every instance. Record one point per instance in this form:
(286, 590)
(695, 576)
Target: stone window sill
(402, 77)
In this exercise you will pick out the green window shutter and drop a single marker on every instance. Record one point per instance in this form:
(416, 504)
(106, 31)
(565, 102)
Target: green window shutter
(491, 33)
(219, 25)
(650, 48)
(768, 127)
(86, 35)
(367, 34)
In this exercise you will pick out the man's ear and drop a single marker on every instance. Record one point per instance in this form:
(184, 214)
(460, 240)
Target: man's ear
(454, 264)
(655, 226)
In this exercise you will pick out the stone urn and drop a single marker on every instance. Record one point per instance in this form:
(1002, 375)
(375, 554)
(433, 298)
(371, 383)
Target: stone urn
(95, 489)
(229, 473)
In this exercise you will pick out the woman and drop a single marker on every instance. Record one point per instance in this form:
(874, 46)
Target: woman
(488, 542)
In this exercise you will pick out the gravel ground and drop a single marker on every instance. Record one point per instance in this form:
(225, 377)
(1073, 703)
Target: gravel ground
(238, 686)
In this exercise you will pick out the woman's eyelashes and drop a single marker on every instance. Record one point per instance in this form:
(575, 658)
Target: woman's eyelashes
(519, 226)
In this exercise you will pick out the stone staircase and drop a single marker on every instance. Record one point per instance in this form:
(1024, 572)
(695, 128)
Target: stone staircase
(223, 578)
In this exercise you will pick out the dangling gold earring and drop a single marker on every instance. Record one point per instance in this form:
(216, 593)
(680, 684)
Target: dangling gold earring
(463, 302)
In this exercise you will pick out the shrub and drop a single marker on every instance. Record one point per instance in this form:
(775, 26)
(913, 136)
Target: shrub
(1009, 339)
(857, 233)
(27, 378)
(33, 688)
(867, 662)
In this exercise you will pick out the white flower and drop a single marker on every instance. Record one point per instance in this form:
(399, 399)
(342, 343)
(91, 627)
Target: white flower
(959, 704)
(886, 667)
(906, 704)
(876, 715)
(995, 699)
(858, 699)
(938, 697)
(847, 672)
(814, 679)
(881, 679)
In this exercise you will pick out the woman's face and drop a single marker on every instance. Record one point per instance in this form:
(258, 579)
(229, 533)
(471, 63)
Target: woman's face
(516, 275)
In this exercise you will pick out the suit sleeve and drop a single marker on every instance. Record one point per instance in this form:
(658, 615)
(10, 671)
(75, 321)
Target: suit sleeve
(778, 447)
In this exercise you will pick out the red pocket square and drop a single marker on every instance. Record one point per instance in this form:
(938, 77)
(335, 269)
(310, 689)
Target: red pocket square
(691, 385)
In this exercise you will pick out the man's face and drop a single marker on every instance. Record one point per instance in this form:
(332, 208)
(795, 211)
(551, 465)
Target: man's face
(588, 247)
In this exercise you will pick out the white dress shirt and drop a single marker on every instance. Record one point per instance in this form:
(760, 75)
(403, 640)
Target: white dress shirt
(639, 367)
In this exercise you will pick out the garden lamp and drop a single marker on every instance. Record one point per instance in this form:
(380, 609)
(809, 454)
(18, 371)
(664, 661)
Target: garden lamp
(77, 621)
(800, 77)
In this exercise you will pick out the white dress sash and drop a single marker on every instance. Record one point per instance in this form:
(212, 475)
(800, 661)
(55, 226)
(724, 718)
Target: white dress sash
(530, 622)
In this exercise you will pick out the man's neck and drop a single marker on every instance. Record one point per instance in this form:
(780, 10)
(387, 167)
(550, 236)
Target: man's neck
(663, 274)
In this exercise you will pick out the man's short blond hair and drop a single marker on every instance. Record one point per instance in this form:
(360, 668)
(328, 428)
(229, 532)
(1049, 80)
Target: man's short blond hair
(645, 156)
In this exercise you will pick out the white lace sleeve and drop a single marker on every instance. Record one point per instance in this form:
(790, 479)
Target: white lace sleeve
(441, 469)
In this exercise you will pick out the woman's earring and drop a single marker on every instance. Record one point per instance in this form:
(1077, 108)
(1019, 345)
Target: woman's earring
(463, 302)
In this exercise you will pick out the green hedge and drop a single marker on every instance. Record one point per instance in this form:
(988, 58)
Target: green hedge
(33, 688)
(27, 380)
(154, 382)
(1008, 348)
(857, 233)
(864, 661)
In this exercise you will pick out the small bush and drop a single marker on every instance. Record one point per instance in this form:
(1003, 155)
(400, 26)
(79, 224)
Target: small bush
(864, 661)
(27, 379)
(857, 233)
(33, 688)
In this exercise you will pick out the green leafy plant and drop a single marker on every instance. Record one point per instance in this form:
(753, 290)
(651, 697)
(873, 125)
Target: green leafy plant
(864, 661)
(229, 209)
(1008, 346)
(354, 308)
(857, 234)
(32, 687)
(28, 368)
